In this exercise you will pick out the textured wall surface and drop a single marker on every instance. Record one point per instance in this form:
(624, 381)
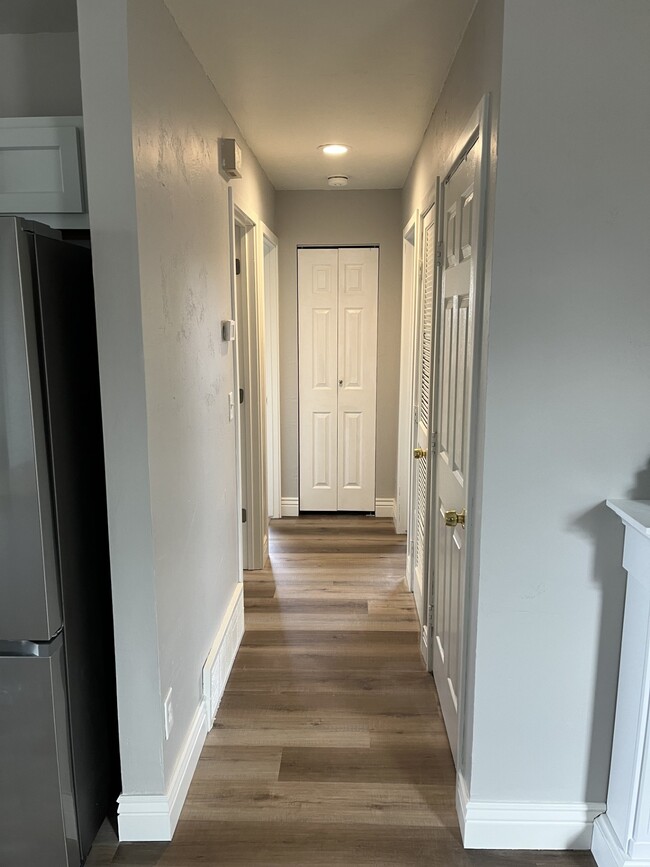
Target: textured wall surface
(567, 409)
(184, 251)
(160, 229)
(337, 217)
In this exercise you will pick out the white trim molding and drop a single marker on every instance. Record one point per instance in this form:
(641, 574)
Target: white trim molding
(149, 818)
(385, 507)
(290, 507)
(517, 825)
(607, 849)
(153, 818)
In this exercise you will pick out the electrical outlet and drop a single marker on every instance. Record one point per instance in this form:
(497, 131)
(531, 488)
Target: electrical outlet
(231, 405)
(168, 710)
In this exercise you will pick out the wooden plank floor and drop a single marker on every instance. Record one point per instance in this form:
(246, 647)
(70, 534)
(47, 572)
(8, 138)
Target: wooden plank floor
(328, 747)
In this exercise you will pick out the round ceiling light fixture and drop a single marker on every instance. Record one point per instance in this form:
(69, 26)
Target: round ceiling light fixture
(334, 150)
(338, 181)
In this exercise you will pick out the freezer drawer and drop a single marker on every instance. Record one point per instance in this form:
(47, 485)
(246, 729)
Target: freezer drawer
(38, 824)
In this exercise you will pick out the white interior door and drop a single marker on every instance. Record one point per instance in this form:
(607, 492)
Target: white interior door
(456, 317)
(337, 361)
(357, 378)
(318, 304)
(424, 356)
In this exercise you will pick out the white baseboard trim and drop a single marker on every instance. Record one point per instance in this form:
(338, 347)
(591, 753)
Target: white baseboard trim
(290, 507)
(607, 849)
(385, 507)
(153, 818)
(516, 825)
(149, 818)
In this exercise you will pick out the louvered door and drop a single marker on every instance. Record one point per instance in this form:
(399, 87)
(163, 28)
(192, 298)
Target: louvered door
(423, 405)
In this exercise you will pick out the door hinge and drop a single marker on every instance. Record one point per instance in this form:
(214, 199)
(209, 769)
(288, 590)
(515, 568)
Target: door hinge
(420, 270)
(243, 516)
(241, 395)
(439, 252)
(237, 267)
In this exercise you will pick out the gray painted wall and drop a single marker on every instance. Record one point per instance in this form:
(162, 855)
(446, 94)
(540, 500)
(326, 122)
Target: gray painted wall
(159, 221)
(475, 72)
(342, 217)
(568, 380)
(39, 75)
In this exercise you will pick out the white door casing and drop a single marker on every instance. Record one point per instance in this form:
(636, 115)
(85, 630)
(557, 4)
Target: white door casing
(250, 376)
(268, 256)
(455, 356)
(337, 340)
(423, 414)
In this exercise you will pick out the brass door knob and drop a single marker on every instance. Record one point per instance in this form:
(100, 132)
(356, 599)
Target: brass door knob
(452, 518)
(419, 453)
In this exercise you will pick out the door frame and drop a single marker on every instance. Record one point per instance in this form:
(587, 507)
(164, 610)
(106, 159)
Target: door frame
(250, 425)
(410, 287)
(476, 131)
(268, 258)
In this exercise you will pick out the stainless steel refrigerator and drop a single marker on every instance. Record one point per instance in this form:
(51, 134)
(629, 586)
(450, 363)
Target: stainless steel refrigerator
(57, 683)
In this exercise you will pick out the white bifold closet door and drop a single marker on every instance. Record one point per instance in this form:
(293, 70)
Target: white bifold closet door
(337, 377)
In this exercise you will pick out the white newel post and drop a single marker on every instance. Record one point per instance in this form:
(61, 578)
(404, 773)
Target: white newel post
(622, 834)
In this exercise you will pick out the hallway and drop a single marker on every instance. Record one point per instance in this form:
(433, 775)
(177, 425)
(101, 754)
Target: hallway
(328, 747)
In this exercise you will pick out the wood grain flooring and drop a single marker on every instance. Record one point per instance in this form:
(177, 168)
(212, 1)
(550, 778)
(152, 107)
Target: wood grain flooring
(328, 747)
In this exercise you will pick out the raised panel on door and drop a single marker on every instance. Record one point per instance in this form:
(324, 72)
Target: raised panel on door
(317, 378)
(457, 298)
(357, 377)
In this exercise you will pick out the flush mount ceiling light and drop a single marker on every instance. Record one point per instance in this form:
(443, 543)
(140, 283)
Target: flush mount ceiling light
(334, 150)
(338, 181)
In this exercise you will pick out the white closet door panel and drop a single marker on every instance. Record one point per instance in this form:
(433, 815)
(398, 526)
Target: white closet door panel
(357, 375)
(317, 375)
(455, 347)
(423, 397)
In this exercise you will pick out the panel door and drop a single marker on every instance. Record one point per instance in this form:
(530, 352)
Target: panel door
(455, 321)
(357, 377)
(420, 477)
(317, 379)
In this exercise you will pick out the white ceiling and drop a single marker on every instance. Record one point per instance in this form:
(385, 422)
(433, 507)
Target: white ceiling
(38, 16)
(299, 73)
